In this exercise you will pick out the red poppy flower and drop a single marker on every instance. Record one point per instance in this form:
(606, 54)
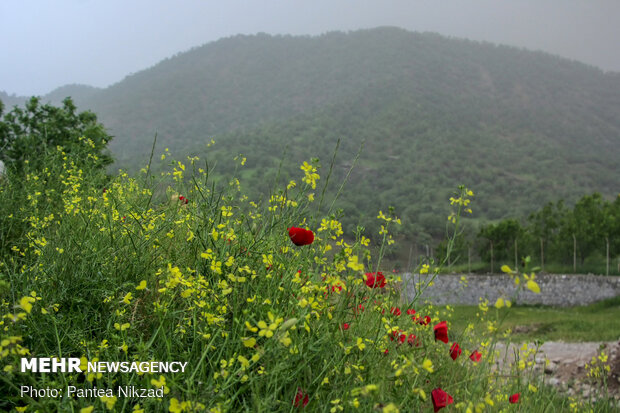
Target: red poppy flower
(412, 340)
(475, 356)
(183, 199)
(514, 398)
(300, 236)
(440, 399)
(345, 326)
(301, 399)
(410, 311)
(399, 336)
(377, 281)
(422, 320)
(441, 332)
(395, 311)
(455, 351)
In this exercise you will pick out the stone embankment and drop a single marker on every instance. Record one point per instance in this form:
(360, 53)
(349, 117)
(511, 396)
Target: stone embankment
(556, 289)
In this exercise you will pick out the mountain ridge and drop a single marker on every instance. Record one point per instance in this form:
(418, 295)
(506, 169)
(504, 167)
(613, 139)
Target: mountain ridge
(522, 127)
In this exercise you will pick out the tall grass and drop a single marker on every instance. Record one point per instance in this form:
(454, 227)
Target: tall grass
(198, 273)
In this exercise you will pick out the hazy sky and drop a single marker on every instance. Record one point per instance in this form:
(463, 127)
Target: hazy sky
(50, 43)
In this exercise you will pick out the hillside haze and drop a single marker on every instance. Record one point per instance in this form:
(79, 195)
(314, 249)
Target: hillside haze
(518, 127)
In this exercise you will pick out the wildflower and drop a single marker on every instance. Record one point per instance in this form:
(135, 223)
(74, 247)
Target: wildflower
(249, 342)
(475, 356)
(412, 340)
(26, 303)
(441, 332)
(531, 284)
(301, 236)
(410, 311)
(395, 311)
(514, 398)
(455, 351)
(345, 326)
(428, 365)
(440, 399)
(390, 408)
(377, 281)
(399, 336)
(183, 199)
(301, 399)
(422, 320)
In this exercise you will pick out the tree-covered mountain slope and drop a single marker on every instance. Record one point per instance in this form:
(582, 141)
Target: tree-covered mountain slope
(520, 128)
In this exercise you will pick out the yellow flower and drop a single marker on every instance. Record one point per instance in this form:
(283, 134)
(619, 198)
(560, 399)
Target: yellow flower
(360, 344)
(142, 285)
(428, 365)
(249, 342)
(390, 408)
(421, 393)
(26, 303)
(161, 383)
(88, 409)
(245, 363)
(122, 327)
(533, 286)
(109, 401)
(176, 406)
(354, 264)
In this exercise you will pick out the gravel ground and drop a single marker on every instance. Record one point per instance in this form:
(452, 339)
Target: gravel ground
(566, 369)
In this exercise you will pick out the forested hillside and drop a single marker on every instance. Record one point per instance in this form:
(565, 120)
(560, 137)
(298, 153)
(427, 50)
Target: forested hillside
(520, 128)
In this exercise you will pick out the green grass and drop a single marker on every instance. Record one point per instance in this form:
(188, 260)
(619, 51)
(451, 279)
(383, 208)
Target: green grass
(480, 267)
(595, 322)
(205, 276)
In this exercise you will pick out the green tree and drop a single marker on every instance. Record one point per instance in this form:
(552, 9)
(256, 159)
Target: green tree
(590, 226)
(500, 238)
(27, 134)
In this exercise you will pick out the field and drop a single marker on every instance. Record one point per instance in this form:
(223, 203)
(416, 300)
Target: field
(595, 322)
(267, 305)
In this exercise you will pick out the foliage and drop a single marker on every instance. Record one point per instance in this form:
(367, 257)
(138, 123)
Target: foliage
(523, 128)
(594, 322)
(207, 276)
(28, 134)
(593, 221)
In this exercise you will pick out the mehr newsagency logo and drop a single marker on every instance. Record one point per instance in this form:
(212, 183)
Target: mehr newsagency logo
(77, 365)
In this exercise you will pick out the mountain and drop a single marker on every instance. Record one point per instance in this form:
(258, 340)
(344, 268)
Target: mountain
(518, 127)
(79, 93)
